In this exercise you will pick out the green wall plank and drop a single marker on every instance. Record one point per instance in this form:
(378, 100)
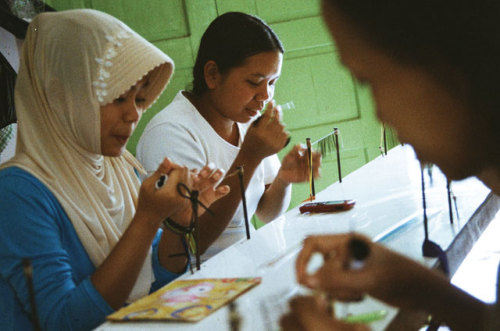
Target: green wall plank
(322, 91)
(245, 6)
(179, 49)
(152, 19)
(304, 34)
(199, 13)
(278, 10)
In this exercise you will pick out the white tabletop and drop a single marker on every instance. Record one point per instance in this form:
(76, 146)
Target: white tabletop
(388, 209)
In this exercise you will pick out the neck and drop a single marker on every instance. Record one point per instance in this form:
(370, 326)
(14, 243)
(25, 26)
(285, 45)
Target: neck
(225, 127)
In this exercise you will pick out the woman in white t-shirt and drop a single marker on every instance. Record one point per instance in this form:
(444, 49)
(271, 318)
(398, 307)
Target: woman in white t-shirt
(238, 64)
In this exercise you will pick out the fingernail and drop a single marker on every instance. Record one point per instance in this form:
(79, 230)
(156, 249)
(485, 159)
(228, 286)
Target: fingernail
(211, 165)
(312, 282)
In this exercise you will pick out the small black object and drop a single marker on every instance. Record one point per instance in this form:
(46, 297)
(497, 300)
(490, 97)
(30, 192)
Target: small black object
(385, 140)
(234, 317)
(359, 249)
(28, 273)
(450, 209)
(7, 83)
(244, 200)
(287, 141)
(336, 137)
(161, 181)
(430, 248)
(309, 154)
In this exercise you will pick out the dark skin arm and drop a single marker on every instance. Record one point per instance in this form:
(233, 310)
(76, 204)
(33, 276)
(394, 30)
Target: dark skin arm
(263, 139)
(390, 277)
(116, 276)
(309, 313)
(294, 169)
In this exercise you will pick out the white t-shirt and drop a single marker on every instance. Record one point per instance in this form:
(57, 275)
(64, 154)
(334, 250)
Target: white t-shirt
(183, 135)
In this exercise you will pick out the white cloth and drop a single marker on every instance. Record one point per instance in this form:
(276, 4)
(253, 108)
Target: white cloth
(182, 134)
(73, 62)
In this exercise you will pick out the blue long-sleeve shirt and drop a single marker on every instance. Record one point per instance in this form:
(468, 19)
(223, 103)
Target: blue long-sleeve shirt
(34, 225)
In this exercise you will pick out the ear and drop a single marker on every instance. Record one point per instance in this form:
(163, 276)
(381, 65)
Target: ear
(211, 73)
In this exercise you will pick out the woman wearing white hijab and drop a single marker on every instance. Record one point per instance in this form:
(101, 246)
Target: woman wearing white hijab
(70, 199)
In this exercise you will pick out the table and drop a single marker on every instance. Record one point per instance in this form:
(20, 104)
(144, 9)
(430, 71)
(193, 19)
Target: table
(388, 209)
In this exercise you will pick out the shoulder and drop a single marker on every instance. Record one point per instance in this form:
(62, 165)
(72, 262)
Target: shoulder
(30, 211)
(15, 179)
(179, 119)
(20, 189)
(179, 111)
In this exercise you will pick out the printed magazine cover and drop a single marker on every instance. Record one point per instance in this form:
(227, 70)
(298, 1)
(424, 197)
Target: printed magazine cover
(186, 300)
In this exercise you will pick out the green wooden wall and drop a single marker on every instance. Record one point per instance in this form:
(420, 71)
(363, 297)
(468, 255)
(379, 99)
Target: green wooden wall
(324, 93)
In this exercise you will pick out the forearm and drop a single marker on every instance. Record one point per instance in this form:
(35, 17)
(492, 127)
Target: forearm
(116, 276)
(212, 226)
(170, 245)
(450, 304)
(416, 287)
(275, 200)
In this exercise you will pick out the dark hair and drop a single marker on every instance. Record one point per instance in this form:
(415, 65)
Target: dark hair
(448, 39)
(229, 40)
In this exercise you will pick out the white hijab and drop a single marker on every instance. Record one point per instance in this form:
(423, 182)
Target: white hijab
(73, 63)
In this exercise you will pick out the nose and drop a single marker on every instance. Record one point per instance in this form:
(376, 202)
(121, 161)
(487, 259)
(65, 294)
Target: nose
(132, 113)
(265, 93)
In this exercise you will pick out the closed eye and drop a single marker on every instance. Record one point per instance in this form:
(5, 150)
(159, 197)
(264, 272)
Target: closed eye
(253, 83)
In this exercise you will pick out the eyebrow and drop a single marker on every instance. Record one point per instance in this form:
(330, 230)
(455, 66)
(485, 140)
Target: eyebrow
(145, 84)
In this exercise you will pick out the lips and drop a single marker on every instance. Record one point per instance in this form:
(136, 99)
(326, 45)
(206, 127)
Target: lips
(252, 112)
(122, 139)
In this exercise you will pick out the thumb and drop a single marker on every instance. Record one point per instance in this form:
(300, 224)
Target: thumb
(221, 191)
(160, 176)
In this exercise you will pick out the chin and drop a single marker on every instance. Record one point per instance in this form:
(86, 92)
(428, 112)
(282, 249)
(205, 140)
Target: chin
(114, 152)
(452, 169)
(458, 170)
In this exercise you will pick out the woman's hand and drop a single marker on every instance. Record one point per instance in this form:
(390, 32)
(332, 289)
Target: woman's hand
(311, 313)
(163, 202)
(295, 165)
(158, 204)
(267, 135)
(204, 182)
(385, 275)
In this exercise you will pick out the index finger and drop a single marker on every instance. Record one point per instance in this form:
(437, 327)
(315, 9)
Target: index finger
(269, 111)
(279, 112)
(323, 244)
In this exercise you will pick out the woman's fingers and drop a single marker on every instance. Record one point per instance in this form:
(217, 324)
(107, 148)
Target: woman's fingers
(316, 164)
(205, 181)
(207, 178)
(311, 313)
(335, 272)
(315, 244)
